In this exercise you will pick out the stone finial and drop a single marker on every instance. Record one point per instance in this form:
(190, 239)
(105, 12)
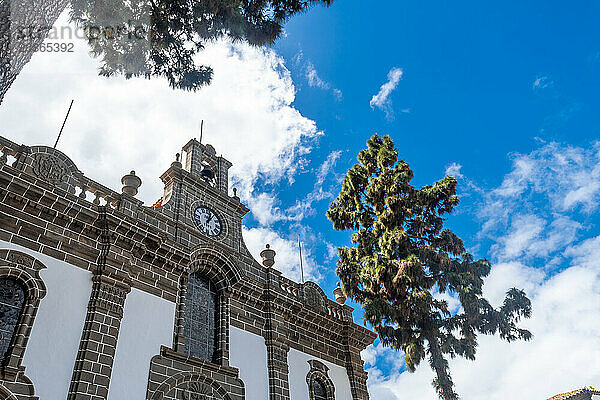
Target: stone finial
(268, 256)
(177, 162)
(339, 294)
(131, 183)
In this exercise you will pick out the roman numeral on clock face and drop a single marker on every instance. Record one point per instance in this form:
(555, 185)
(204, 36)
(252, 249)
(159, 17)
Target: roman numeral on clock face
(207, 221)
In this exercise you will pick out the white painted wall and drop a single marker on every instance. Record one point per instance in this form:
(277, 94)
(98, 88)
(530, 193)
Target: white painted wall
(147, 324)
(248, 352)
(52, 348)
(299, 368)
(595, 397)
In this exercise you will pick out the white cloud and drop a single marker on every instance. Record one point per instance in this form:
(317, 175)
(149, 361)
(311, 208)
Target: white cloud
(555, 179)
(314, 80)
(382, 99)
(313, 77)
(509, 274)
(266, 207)
(586, 253)
(563, 355)
(337, 93)
(304, 207)
(454, 170)
(287, 259)
(525, 229)
(542, 82)
(117, 125)
(569, 175)
(327, 167)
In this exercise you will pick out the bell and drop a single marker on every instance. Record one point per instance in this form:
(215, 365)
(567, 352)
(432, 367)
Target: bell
(207, 173)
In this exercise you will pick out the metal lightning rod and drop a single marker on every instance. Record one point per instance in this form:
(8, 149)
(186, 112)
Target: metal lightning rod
(63, 124)
(201, 130)
(301, 267)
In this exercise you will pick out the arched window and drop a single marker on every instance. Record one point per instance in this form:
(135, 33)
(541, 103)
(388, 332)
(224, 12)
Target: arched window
(320, 386)
(200, 327)
(318, 390)
(12, 300)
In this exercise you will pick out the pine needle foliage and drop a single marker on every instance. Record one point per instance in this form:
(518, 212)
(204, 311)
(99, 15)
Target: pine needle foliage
(162, 37)
(402, 257)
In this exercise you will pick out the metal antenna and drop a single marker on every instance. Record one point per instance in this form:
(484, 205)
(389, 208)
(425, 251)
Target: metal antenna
(201, 130)
(301, 267)
(63, 124)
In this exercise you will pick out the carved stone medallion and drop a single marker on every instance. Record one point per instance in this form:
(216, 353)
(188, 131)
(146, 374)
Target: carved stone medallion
(198, 391)
(20, 259)
(314, 296)
(50, 168)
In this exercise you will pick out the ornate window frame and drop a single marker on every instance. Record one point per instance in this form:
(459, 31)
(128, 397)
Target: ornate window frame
(207, 262)
(318, 372)
(25, 269)
(205, 343)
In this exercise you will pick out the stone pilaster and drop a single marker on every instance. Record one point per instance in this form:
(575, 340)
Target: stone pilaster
(277, 347)
(222, 174)
(279, 387)
(110, 286)
(93, 366)
(354, 363)
(222, 356)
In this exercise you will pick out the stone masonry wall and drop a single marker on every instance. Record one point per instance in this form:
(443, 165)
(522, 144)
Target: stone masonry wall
(47, 205)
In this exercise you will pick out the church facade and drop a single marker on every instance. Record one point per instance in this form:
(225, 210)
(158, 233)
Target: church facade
(102, 297)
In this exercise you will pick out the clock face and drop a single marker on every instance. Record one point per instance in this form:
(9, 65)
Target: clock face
(207, 221)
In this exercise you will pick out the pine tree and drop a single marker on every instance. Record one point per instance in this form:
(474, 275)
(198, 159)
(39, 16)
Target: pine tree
(161, 37)
(402, 258)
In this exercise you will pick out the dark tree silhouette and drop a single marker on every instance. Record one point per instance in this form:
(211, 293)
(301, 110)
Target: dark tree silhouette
(149, 38)
(161, 37)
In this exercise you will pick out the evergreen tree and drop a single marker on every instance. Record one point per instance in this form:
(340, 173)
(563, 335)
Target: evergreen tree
(402, 258)
(162, 37)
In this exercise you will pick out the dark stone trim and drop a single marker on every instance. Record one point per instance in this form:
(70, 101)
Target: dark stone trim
(276, 340)
(318, 371)
(25, 269)
(223, 274)
(110, 286)
(174, 376)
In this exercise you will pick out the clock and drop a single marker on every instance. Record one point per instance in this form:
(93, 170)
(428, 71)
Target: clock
(207, 221)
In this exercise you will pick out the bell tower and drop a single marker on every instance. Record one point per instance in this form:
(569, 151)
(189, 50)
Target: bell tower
(202, 161)
(196, 198)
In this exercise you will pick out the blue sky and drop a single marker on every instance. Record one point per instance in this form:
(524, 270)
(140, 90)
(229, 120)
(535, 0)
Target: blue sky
(485, 86)
(503, 96)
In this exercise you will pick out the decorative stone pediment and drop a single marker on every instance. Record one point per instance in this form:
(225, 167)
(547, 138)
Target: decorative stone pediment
(50, 168)
(314, 296)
